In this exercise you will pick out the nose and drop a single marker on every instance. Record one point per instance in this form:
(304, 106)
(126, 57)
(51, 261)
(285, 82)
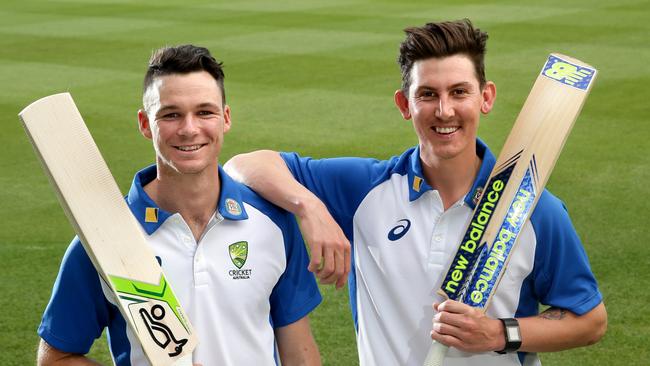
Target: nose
(445, 108)
(189, 126)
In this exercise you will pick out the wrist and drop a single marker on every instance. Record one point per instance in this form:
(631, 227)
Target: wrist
(306, 204)
(511, 336)
(500, 337)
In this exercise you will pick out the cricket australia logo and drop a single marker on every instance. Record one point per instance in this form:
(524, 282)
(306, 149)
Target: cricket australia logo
(238, 253)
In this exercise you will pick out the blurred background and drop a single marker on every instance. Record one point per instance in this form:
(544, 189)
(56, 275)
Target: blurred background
(318, 77)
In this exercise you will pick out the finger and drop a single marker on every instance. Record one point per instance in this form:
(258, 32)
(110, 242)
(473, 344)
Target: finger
(327, 266)
(450, 319)
(447, 329)
(338, 269)
(452, 306)
(448, 340)
(316, 258)
(346, 267)
(331, 279)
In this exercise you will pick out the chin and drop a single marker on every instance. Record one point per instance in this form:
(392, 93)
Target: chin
(181, 168)
(191, 169)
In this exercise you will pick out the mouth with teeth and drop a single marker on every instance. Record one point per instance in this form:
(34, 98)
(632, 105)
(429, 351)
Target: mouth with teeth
(189, 148)
(445, 130)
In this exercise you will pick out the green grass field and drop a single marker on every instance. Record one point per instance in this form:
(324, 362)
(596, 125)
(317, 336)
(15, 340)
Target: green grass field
(318, 77)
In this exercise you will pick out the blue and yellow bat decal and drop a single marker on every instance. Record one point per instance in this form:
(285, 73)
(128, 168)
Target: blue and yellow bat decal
(492, 259)
(568, 73)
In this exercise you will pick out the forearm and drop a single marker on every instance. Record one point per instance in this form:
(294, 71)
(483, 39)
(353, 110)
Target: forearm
(470, 329)
(296, 344)
(558, 329)
(50, 356)
(267, 174)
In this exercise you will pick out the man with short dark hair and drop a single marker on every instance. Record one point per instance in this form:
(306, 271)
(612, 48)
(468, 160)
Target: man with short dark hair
(237, 263)
(405, 217)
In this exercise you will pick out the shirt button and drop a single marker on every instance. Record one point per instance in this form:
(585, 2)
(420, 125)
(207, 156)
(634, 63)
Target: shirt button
(437, 237)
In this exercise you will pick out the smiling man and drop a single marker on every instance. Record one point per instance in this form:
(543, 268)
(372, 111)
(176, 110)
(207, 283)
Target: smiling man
(405, 217)
(237, 263)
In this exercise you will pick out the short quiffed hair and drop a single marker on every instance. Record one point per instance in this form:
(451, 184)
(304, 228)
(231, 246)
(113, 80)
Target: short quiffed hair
(183, 59)
(437, 40)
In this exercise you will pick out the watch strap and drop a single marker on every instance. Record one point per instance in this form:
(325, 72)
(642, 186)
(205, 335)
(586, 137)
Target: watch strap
(512, 334)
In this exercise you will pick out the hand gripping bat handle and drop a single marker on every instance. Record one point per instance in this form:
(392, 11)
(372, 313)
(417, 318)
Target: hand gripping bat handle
(436, 354)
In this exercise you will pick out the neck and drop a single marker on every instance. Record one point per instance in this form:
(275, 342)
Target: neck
(452, 178)
(193, 196)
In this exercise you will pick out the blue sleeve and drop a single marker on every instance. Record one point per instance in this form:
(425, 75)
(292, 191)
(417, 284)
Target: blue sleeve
(562, 275)
(296, 294)
(77, 312)
(341, 183)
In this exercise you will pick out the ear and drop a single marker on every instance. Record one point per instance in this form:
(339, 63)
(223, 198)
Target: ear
(227, 122)
(144, 125)
(402, 103)
(489, 94)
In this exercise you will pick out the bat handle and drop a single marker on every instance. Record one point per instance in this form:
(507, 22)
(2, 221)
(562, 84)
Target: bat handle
(185, 360)
(436, 354)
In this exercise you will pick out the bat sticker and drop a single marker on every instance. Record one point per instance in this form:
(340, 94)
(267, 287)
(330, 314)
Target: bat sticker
(567, 73)
(151, 320)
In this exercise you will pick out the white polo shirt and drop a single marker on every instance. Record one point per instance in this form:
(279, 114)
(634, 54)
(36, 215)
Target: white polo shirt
(403, 242)
(245, 276)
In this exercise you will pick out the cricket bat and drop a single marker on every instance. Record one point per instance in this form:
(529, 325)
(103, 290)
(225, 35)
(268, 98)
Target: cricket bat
(107, 229)
(515, 184)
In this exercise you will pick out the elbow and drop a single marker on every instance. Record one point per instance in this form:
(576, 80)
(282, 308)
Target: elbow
(600, 332)
(599, 326)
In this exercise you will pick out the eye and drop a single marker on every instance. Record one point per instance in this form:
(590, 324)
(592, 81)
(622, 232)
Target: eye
(169, 116)
(206, 113)
(427, 95)
(459, 92)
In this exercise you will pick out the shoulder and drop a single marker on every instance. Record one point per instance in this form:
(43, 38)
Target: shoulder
(76, 258)
(555, 235)
(550, 213)
(352, 170)
(278, 215)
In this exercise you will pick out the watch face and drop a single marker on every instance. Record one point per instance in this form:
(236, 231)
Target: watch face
(513, 334)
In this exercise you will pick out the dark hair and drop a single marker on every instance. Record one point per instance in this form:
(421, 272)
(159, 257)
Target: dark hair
(437, 40)
(183, 59)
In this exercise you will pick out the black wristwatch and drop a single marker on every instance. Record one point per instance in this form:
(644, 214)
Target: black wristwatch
(513, 335)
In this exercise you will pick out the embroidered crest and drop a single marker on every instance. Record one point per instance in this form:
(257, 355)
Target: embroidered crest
(238, 253)
(233, 207)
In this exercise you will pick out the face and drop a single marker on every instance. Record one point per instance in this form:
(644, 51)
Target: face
(186, 119)
(444, 102)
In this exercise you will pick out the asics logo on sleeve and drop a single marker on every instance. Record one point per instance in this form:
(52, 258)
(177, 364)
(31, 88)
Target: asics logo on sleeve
(400, 230)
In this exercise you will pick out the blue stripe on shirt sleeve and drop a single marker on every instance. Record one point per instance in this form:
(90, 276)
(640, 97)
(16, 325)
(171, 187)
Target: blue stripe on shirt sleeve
(77, 312)
(562, 274)
(296, 294)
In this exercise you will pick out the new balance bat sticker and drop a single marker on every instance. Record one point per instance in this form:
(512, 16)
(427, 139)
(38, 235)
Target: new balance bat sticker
(515, 184)
(108, 231)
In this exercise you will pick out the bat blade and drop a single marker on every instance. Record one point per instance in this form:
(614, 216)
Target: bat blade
(515, 184)
(108, 231)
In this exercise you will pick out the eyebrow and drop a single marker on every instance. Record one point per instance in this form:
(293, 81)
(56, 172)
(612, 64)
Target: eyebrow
(465, 84)
(173, 107)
